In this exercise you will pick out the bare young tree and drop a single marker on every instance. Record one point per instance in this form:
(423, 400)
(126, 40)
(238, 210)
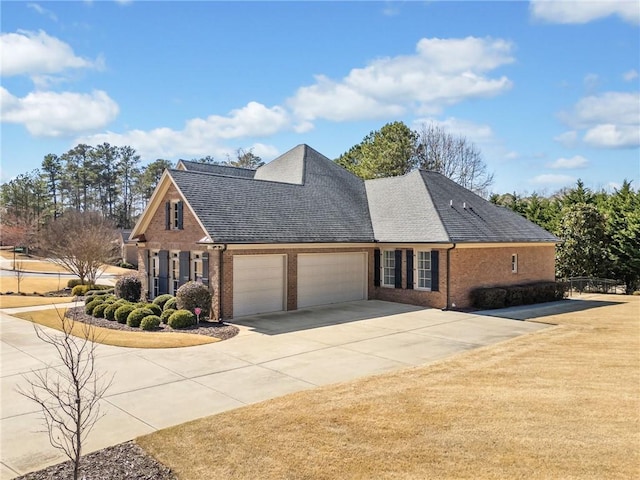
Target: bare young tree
(18, 272)
(69, 396)
(83, 243)
(455, 157)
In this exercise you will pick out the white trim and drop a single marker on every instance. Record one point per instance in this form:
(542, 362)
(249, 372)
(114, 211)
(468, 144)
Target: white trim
(514, 263)
(416, 268)
(383, 266)
(290, 246)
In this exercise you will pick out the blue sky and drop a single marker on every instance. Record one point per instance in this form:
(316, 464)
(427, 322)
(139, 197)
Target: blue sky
(549, 91)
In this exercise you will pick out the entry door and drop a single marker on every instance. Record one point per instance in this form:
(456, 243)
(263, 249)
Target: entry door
(258, 284)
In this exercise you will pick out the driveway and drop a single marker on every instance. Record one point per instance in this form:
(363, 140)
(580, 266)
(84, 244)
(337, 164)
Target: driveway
(273, 355)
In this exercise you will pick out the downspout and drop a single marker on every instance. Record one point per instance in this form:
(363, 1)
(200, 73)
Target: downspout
(449, 276)
(221, 250)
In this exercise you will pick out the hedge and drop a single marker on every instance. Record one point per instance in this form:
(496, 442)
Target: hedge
(514, 295)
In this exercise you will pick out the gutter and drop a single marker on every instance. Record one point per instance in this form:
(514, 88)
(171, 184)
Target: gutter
(448, 306)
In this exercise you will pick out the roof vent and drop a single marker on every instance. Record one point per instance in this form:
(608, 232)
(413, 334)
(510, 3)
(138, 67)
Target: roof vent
(464, 205)
(451, 203)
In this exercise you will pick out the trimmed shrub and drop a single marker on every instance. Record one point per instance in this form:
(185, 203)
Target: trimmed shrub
(166, 314)
(80, 290)
(73, 282)
(122, 312)
(90, 298)
(98, 310)
(136, 316)
(127, 265)
(192, 295)
(181, 319)
(150, 322)
(154, 308)
(160, 300)
(129, 287)
(88, 308)
(170, 304)
(488, 297)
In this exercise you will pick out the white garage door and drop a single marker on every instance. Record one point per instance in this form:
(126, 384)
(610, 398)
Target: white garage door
(331, 278)
(258, 284)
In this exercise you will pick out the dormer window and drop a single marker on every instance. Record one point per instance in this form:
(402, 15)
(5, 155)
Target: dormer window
(173, 215)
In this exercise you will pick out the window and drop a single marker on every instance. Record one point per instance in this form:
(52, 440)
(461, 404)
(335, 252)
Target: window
(173, 214)
(196, 266)
(154, 267)
(514, 263)
(174, 281)
(388, 268)
(423, 270)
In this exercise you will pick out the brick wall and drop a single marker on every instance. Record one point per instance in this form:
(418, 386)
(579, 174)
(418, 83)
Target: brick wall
(486, 267)
(412, 296)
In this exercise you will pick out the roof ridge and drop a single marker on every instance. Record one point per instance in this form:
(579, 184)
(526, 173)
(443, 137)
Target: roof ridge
(433, 203)
(215, 164)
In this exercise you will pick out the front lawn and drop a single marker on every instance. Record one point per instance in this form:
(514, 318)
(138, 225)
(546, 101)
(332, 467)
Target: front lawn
(563, 402)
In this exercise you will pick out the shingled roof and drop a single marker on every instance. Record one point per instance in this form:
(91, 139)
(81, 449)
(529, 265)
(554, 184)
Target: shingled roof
(217, 169)
(328, 205)
(428, 207)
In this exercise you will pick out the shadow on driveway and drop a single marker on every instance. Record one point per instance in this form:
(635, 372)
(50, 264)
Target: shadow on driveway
(532, 312)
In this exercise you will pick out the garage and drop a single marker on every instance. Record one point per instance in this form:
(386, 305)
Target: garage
(258, 284)
(325, 278)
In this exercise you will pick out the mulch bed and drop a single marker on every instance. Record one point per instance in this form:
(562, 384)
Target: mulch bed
(222, 331)
(124, 461)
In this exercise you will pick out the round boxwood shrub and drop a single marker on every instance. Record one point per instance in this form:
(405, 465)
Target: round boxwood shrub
(166, 314)
(136, 316)
(170, 304)
(80, 290)
(154, 308)
(129, 287)
(181, 319)
(192, 295)
(88, 308)
(98, 310)
(150, 322)
(160, 300)
(122, 312)
(74, 282)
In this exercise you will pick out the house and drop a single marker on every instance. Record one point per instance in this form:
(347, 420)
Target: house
(128, 248)
(302, 231)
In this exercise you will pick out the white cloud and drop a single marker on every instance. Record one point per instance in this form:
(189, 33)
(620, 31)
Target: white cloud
(203, 136)
(630, 75)
(442, 72)
(36, 53)
(613, 136)
(50, 114)
(42, 11)
(552, 179)
(567, 139)
(611, 119)
(581, 11)
(569, 163)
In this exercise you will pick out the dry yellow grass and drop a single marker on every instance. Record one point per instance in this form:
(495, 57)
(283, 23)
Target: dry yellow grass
(120, 338)
(30, 284)
(14, 301)
(561, 403)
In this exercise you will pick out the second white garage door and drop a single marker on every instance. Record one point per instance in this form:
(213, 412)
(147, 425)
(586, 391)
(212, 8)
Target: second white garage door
(325, 278)
(258, 284)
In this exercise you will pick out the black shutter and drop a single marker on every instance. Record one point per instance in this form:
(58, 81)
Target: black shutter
(410, 269)
(184, 268)
(163, 277)
(167, 216)
(376, 267)
(205, 268)
(435, 271)
(147, 261)
(398, 269)
(180, 215)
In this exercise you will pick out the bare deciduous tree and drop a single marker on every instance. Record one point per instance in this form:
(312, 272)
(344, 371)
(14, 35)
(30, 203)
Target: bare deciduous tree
(18, 272)
(83, 243)
(69, 395)
(455, 157)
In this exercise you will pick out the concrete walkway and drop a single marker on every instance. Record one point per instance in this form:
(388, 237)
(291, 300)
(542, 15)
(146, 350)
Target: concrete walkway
(273, 355)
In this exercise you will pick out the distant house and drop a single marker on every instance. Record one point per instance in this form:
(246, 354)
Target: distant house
(128, 248)
(302, 231)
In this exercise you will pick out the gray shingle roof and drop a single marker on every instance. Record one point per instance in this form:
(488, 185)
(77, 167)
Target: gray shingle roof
(218, 169)
(302, 196)
(428, 207)
(329, 206)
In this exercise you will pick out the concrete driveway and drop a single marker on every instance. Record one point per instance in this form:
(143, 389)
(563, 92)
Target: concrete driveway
(273, 355)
